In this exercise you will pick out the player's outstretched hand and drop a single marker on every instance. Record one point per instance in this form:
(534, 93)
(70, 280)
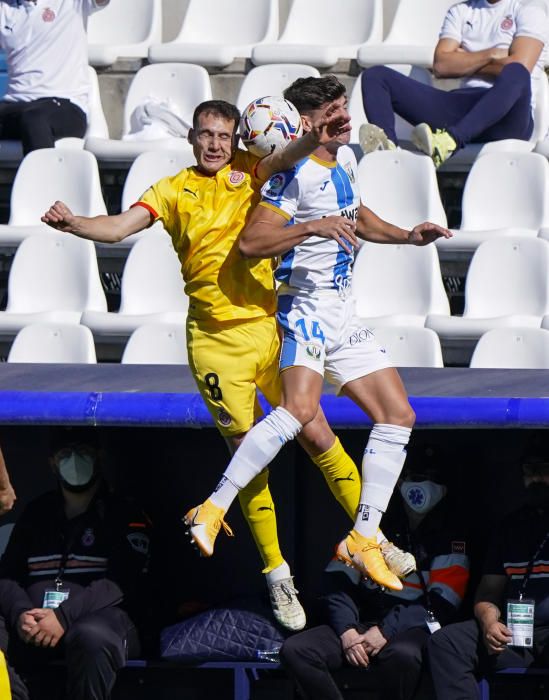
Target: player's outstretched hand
(60, 217)
(331, 123)
(7, 498)
(340, 229)
(427, 232)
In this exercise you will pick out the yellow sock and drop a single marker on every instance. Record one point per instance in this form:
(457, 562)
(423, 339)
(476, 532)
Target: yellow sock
(258, 509)
(342, 476)
(5, 690)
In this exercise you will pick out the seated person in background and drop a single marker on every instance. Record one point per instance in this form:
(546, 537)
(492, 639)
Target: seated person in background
(515, 567)
(7, 494)
(498, 49)
(387, 631)
(47, 55)
(72, 574)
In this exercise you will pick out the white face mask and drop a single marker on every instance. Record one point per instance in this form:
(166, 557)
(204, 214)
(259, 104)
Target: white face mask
(76, 469)
(422, 496)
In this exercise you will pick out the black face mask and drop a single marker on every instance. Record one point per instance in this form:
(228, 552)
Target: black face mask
(537, 495)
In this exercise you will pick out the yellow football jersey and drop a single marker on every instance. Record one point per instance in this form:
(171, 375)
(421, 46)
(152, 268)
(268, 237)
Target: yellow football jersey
(204, 216)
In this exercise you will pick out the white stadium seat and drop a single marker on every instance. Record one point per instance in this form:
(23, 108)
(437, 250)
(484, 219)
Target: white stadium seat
(215, 32)
(152, 292)
(398, 285)
(47, 175)
(11, 152)
(322, 32)
(182, 84)
(507, 286)
(410, 346)
(272, 79)
(53, 278)
(512, 348)
(505, 194)
(157, 344)
(124, 29)
(356, 104)
(401, 187)
(53, 342)
(412, 37)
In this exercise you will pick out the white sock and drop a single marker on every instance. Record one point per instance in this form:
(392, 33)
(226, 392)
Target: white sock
(279, 574)
(381, 466)
(260, 446)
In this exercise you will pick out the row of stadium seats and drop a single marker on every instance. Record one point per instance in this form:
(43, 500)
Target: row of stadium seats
(506, 193)
(165, 344)
(319, 32)
(182, 86)
(55, 277)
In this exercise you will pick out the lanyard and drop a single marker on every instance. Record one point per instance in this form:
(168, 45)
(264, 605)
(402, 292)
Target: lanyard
(69, 542)
(530, 566)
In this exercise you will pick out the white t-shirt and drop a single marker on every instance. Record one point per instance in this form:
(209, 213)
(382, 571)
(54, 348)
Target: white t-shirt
(46, 49)
(479, 25)
(312, 190)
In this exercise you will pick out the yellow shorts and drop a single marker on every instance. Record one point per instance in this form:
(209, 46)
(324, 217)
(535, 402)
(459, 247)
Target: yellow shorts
(229, 364)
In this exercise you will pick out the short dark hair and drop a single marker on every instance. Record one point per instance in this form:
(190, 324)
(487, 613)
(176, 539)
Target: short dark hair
(219, 108)
(310, 93)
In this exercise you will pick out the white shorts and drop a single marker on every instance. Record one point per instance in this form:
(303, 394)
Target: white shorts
(323, 333)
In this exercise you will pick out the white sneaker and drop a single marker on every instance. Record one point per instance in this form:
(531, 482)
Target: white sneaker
(373, 138)
(398, 561)
(286, 607)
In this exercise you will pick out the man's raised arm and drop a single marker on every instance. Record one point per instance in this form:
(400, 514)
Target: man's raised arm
(103, 229)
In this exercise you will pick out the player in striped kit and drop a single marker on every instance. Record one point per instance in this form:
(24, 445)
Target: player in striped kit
(311, 216)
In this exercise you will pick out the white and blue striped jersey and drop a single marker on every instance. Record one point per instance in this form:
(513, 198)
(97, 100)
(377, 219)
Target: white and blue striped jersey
(314, 189)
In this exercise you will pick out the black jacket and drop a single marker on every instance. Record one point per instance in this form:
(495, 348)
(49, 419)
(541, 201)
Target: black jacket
(106, 551)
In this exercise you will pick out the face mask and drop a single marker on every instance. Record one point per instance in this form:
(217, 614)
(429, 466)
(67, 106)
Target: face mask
(537, 495)
(422, 496)
(77, 471)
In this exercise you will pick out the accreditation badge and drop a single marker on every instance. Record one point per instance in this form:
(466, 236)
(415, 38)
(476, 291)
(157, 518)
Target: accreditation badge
(520, 621)
(432, 623)
(53, 597)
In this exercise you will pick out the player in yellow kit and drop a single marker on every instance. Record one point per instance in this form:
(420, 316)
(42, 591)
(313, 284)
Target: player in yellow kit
(231, 331)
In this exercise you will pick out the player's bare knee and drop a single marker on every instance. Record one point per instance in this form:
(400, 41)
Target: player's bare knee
(403, 416)
(302, 411)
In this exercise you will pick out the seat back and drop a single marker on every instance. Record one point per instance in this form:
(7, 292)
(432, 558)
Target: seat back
(385, 275)
(410, 27)
(401, 187)
(156, 344)
(148, 168)
(97, 122)
(513, 348)
(130, 26)
(410, 346)
(184, 84)
(508, 275)
(506, 190)
(55, 272)
(356, 103)
(331, 23)
(237, 22)
(49, 174)
(53, 342)
(271, 79)
(541, 109)
(151, 280)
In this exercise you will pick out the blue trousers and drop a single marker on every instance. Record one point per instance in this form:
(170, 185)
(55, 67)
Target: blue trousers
(502, 111)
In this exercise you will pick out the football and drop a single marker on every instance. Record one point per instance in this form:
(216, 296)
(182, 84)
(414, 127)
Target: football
(268, 124)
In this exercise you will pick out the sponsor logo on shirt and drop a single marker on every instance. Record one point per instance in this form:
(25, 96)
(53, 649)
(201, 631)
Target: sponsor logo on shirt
(48, 15)
(275, 185)
(507, 23)
(458, 547)
(236, 177)
(139, 542)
